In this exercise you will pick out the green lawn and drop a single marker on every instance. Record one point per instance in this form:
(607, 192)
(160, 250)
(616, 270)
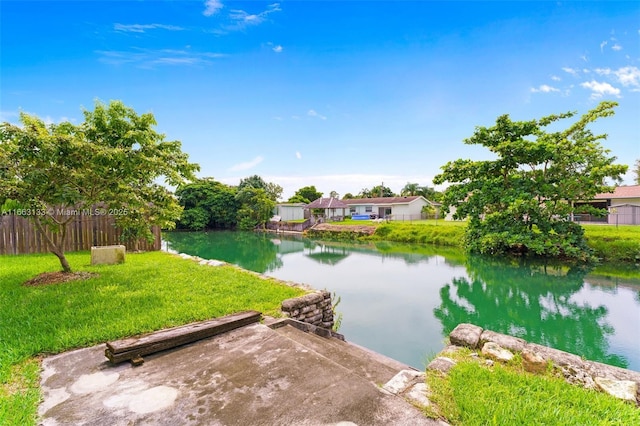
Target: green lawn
(474, 394)
(610, 243)
(149, 292)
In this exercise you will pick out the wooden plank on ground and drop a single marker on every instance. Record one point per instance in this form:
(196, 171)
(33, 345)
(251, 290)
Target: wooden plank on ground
(135, 347)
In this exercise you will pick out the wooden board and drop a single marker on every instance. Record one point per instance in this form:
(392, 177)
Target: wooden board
(127, 349)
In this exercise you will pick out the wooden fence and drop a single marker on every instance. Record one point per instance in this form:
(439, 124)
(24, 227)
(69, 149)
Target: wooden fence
(18, 235)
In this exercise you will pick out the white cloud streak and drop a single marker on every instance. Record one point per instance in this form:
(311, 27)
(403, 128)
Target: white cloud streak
(602, 45)
(246, 165)
(544, 89)
(298, 155)
(277, 49)
(148, 58)
(570, 71)
(313, 113)
(341, 183)
(211, 7)
(242, 19)
(141, 28)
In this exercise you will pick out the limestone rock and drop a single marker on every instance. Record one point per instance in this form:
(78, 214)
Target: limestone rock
(418, 394)
(442, 364)
(621, 389)
(514, 344)
(495, 351)
(466, 335)
(401, 381)
(533, 363)
(578, 376)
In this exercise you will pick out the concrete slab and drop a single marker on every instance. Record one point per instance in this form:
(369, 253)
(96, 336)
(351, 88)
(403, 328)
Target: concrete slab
(250, 376)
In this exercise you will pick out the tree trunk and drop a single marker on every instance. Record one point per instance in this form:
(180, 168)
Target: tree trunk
(63, 261)
(58, 250)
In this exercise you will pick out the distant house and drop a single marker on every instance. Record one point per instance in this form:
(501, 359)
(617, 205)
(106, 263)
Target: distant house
(395, 208)
(333, 208)
(290, 211)
(623, 205)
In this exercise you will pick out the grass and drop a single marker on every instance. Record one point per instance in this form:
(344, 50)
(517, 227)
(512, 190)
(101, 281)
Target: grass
(614, 244)
(611, 244)
(475, 394)
(150, 291)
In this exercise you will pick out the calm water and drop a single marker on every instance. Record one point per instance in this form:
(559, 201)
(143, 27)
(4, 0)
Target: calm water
(403, 300)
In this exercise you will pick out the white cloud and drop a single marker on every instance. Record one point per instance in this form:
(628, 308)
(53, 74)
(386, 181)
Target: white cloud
(600, 89)
(298, 155)
(141, 28)
(584, 58)
(555, 78)
(602, 45)
(277, 49)
(246, 165)
(616, 47)
(341, 183)
(211, 7)
(544, 89)
(243, 19)
(313, 113)
(570, 70)
(148, 58)
(628, 76)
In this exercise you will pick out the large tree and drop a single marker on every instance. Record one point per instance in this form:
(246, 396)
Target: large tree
(207, 204)
(636, 170)
(523, 200)
(410, 189)
(114, 159)
(273, 190)
(305, 195)
(256, 207)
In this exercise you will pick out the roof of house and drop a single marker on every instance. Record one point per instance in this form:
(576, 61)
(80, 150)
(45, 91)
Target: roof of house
(327, 203)
(631, 191)
(382, 200)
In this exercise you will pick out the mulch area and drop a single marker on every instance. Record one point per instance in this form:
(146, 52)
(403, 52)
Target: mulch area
(49, 278)
(358, 229)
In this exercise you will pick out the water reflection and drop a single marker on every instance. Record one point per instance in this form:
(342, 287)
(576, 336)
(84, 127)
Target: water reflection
(534, 302)
(402, 300)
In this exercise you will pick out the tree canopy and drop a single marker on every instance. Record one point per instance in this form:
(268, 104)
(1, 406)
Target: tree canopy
(636, 170)
(207, 204)
(273, 191)
(412, 189)
(523, 201)
(305, 195)
(376, 191)
(114, 158)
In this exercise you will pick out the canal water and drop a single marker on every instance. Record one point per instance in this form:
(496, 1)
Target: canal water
(402, 301)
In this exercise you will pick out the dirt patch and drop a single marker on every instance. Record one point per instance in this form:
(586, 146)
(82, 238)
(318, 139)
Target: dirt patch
(358, 229)
(48, 278)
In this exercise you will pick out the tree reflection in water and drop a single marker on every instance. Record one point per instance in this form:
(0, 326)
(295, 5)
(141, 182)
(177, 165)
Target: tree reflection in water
(531, 301)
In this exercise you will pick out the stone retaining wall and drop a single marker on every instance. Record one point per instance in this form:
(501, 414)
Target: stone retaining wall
(313, 308)
(619, 382)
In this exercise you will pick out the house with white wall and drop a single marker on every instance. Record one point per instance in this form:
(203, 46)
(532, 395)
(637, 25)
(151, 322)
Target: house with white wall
(290, 211)
(623, 205)
(394, 208)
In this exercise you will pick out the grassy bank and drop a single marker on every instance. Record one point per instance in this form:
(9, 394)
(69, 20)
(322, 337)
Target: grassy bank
(149, 292)
(611, 244)
(473, 393)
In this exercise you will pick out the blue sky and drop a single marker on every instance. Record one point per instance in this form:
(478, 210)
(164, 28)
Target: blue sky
(338, 94)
